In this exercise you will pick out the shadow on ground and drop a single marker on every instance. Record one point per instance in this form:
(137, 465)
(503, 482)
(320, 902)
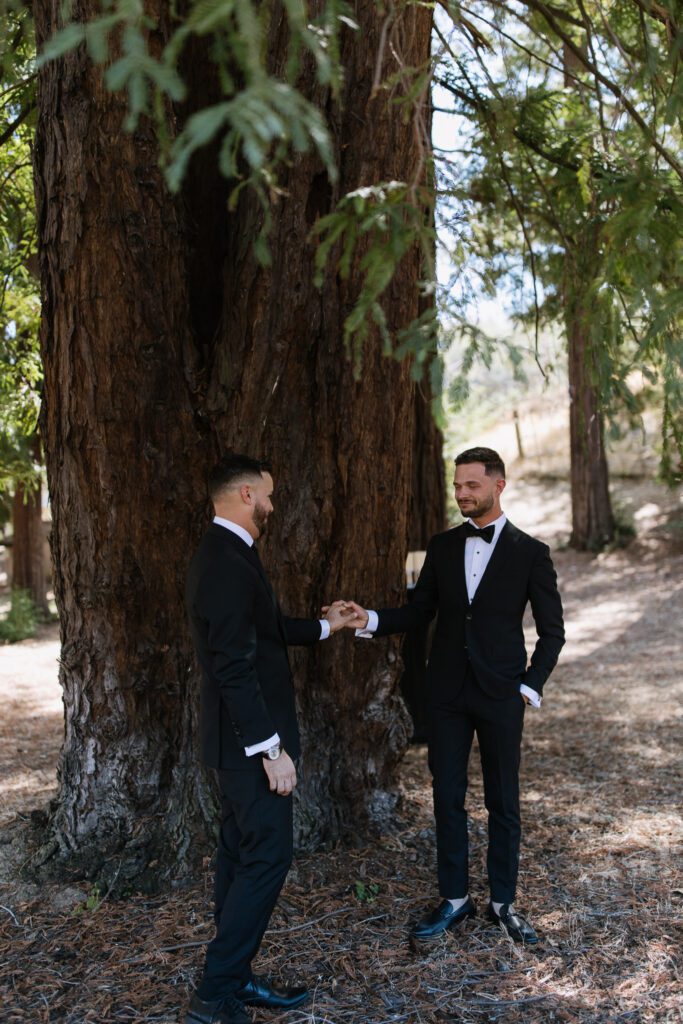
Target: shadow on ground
(602, 832)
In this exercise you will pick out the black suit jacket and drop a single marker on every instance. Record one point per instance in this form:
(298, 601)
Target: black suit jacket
(241, 640)
(488, 632)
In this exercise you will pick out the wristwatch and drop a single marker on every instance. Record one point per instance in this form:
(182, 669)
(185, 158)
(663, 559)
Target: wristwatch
(274, 752)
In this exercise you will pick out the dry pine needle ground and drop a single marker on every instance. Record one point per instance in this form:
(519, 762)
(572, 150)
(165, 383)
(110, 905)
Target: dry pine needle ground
(601, 813)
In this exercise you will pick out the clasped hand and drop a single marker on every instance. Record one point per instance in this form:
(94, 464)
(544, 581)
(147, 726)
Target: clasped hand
(345, 615)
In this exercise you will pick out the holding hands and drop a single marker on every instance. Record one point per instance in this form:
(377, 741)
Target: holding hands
(345, 614)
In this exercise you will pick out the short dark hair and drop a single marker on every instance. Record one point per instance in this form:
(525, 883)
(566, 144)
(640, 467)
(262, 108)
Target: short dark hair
(233, 467)
(492, 462)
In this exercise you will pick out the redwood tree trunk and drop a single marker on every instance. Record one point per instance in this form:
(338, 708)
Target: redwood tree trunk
(165, 343)
(592, 519)
(28, 541)
(428, 486)
(125, 462)
(342, 448)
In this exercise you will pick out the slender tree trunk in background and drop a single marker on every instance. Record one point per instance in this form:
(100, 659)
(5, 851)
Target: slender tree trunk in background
(592, 519)
(125, 462)
(28, 544)
(165, 343)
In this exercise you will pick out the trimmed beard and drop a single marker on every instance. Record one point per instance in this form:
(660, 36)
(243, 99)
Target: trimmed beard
(480, 508)
(260, 517)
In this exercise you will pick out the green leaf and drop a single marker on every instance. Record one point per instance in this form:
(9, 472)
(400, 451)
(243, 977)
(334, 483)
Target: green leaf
(62, 42)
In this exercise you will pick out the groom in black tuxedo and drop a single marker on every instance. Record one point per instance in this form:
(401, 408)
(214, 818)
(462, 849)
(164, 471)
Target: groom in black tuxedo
(479, 578)
(248, 732)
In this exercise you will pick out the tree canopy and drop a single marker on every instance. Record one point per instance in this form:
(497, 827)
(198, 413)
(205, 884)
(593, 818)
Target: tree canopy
(568, 121)
(567, 185)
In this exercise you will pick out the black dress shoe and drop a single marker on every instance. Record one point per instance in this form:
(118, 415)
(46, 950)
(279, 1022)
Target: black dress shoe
(261, 992)
(221, 1011)
(441, 919)
(517, 927)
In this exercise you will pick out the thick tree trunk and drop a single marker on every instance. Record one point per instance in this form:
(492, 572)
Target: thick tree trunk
(342, 448)
(28, 542)
(428, 487)
(592, 519)
(164, 343)
(125, 465)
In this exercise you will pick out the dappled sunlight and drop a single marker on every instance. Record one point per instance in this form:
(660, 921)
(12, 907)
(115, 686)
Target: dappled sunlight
(590, 628)
(31, 725)
(646, 829)
(602, 833)
(28, 790)
(653, 753)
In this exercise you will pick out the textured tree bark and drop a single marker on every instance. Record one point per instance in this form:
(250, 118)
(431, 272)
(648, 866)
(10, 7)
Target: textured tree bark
(125, 464)
(342, 447)
(164, 343)
(592, 519)
(428, 487)
(28, 558)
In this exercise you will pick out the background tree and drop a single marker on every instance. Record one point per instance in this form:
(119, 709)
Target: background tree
(560, 164)
(20, 370)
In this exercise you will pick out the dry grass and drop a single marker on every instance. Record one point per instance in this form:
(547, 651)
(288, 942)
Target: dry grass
(602, 832)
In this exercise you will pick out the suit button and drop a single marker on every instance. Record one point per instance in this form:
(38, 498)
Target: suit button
(468, 617)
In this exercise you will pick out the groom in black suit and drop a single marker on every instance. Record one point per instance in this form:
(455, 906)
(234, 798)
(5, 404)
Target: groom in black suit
(248, 734)
(479, 578)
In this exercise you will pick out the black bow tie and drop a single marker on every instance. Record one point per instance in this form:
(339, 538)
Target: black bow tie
(486, 533)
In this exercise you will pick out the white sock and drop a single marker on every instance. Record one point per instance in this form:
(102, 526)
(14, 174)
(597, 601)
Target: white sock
(497, 906)
(457, 904)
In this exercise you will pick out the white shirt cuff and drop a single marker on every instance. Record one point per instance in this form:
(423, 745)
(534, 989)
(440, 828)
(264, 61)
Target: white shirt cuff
(257, 748)
(371, 628)
(535, 699)
(324, 629)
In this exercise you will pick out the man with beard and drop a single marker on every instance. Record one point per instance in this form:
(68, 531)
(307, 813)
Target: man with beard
(479, 577)
(248, 734)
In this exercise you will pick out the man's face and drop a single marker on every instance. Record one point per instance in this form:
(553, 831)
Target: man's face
(261, 493)
(475, 492)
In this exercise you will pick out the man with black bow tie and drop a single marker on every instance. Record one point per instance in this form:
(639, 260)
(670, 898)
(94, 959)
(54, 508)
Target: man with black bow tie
(479, 577)
(248, 732)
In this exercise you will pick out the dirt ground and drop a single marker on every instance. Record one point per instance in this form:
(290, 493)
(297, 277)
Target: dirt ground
(600, 875)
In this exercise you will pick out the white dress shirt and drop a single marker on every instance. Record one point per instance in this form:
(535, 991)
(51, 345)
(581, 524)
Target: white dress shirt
(257, 748)
(477, 556)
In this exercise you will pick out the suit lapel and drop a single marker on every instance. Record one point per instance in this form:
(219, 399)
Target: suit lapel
(255, 558)
(497, 561)
(251, 555)
(459, 539)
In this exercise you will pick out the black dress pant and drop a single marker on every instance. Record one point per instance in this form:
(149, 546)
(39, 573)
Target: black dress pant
(498, 725)
(254, 856)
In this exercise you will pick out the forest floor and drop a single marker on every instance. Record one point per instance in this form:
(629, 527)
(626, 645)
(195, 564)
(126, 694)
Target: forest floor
(603, 836)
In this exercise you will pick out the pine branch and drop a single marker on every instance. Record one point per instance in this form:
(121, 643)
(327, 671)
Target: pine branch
(9, 131)
(547, 13)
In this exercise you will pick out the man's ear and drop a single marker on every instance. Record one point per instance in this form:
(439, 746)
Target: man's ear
(500, 485)
(245, 494)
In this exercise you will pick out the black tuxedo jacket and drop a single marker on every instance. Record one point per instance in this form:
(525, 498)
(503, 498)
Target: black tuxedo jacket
(241, 640)
(488, 632)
